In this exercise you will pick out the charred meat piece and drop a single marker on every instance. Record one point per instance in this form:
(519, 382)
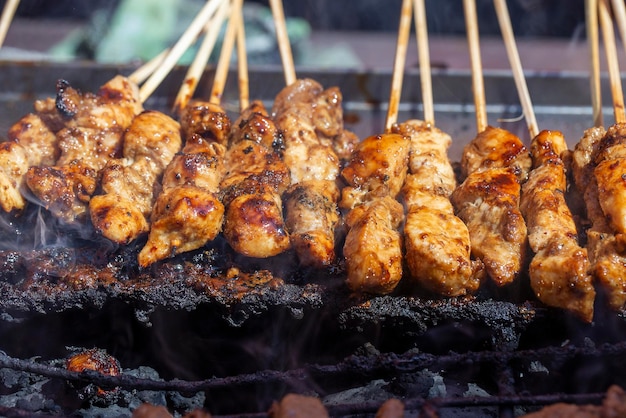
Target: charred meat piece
(559, 269)
(373, 245)
(94, 126)
(188, 212)
(96, 360)
(437, 243)
(252, 187)
(121, 212)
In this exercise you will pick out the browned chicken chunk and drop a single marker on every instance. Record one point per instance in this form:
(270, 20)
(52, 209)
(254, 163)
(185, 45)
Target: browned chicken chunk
(495, 148)
(495, 162)
(121, 212)
(559, 269)
(312, 121)
(188, 212)
(31, 142)
(373, 245)
(595, 164)
(94, 126)
(252, 187)
(488, 202)
(437, 242)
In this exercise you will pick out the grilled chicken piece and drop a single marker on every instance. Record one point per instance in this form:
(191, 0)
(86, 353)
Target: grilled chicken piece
(373, 246)
(94, 126)
(31, 142)
(312, 214)
(207, 120)
(610, 167)
(595, 161)
(188, 212)
(437, 242)
(496, 148)
(488, 202)
(312, 121)
(95, 360)
(559, 269)
(121, 212)
(495, 162)
(64, 190)
(114, 105)
(378, 166)
(252, 187)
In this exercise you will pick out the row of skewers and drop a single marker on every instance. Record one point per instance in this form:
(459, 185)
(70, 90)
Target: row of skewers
(271, 180)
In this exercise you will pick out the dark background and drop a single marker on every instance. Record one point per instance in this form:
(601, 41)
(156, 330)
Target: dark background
(537, 18)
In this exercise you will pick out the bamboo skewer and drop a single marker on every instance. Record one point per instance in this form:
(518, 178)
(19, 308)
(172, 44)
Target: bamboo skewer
(194, 73)
(504, 20)
(179, 49)
(591, 21)
(404, 31)
(223, 63)
(478, 85)
(7, 17)
(242, 64)
(619, 11)
(423, 52)
(282, 38)
(608, 37)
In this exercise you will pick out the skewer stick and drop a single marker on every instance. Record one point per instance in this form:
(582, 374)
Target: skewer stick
(7, 17)
(591, 19)
(194, 73)
(283, 41)
(223, 63)
(608, 35)
(242, 64)
(478, 85)
(423, 53)
(179, 49)
(504, 20)
(404, 30)
(619, 10)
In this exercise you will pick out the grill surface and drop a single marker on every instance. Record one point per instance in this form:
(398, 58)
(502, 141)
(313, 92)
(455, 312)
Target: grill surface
(211, 328)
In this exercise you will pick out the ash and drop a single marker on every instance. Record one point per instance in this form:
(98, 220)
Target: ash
(24, 394)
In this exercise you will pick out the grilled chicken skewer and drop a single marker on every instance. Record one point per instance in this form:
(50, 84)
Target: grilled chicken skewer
(94, 127)
(559, 269)
(32, 141)
(437, 242)
(253, 184)
(188, 212)
(373, 246)
(121, 212)
(311, 120)
(496, 162)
